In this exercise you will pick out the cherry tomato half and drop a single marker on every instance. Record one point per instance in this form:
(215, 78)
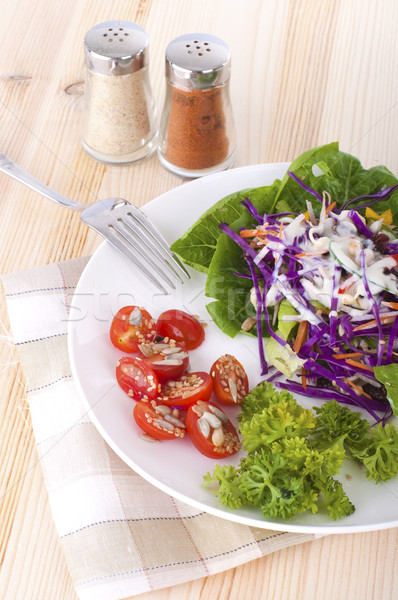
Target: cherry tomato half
(131, 326)
(137, 378)
(157, 422)
(186, 390)
(230, 381)
(182, 327)
(211, 431)
(169, 360)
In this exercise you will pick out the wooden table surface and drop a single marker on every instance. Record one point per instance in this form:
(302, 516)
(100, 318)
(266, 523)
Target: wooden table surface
(304, 73)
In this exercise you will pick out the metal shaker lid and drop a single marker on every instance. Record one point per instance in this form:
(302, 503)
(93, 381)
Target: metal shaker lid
(198, 60)
(116, 48)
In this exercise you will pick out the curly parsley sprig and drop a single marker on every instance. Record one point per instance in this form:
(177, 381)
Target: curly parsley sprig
(294, 454)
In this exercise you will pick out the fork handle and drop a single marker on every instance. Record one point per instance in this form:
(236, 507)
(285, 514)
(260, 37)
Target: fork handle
(10, 168)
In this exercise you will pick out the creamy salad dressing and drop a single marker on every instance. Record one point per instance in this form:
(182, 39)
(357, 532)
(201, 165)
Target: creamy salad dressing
(334, 240)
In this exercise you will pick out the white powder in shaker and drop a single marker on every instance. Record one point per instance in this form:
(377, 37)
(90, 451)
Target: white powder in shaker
(117, 120)
(119, 112)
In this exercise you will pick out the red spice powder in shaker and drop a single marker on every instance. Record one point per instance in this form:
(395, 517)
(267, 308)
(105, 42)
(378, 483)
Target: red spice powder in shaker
(197, 136)
(197, 132)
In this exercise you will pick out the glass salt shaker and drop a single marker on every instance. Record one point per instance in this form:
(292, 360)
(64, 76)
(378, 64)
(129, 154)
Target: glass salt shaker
(197, 133)
(119, 120)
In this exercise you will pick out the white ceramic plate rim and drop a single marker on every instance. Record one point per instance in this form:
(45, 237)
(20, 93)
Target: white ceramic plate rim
(92, 359)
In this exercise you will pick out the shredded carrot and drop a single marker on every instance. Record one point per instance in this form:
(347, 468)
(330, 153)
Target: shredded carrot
(248, 233)
(391, 304)
(357, 388)
(303, 378)
(374, 322)
(301, 335)
(317, 253)
(365, 325)
(348, 355)
(330, 207)
(280, 230)
(356, 363)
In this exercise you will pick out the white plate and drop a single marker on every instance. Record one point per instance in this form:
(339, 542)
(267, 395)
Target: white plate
(108, 283)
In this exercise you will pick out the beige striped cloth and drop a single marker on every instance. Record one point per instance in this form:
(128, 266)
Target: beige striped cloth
(121, 535)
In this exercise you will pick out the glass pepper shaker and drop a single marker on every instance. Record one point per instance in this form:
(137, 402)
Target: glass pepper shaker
(197, 133)
(119, 121)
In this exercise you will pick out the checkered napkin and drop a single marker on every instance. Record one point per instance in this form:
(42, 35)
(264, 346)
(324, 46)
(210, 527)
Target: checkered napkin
(121, 535)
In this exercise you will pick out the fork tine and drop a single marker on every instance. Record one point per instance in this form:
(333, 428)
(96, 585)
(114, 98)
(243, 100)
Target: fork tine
(123, 235)
(125, 249)
(146, 243)
(137, 215)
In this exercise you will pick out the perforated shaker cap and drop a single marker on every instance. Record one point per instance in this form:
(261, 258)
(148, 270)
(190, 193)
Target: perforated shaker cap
(116, 48)
(198, 60)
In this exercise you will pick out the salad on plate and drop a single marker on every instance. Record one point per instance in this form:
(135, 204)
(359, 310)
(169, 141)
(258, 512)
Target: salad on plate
(308, 265)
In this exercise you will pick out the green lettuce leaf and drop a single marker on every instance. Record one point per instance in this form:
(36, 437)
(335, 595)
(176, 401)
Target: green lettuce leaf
(282, 358)
(197, 245)
(343, 177)
(286, 327)
(388, 375)
(232, 293)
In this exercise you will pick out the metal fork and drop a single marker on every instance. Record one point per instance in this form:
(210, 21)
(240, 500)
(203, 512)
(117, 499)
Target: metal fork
(122, 224)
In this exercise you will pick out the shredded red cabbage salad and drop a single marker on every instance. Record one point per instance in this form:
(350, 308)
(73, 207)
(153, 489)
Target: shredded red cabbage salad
(330, 277)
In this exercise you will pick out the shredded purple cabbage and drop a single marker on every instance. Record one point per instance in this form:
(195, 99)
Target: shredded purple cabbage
(263, 362)
(359, 224)
(305, 187)
(375, 310)
(333, 305)
(382, 195)
(252, 210)
(329, 333)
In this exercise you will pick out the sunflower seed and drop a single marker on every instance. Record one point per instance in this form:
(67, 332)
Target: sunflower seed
(148, 438)
(174, 421)
(164, 424)
(135, 317)
(203, 426)
(218, 437)
(171, 350)
(145, 349)
(248, 324)
(160, 346)
(198, 410)
(170, 362)
(233, 389)
(180, 355)
(162, 409)
(219, 413)
(212, 420)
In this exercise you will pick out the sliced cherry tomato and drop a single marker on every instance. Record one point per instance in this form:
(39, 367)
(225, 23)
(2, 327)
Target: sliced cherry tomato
(211, 431)
(169, 360)
(230, 381)
(137, 378)
(158, 421)
(186, 390)
(181, 327)
(131, 326)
